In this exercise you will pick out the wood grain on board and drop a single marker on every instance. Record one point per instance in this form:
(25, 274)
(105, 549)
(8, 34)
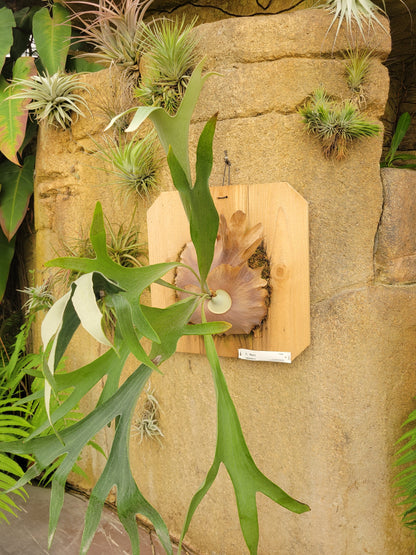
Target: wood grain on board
(284, 215)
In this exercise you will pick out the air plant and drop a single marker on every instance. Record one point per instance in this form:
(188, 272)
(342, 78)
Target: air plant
(238, 292)
(170, 53)
(39, 298)
(361, 11)
(118, 98)
(147, 424)
(336, 124)
(115, 31)
(357, 63)
(53, 97)
(134, 163)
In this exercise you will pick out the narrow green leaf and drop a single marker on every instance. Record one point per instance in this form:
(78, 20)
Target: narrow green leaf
(52, 36)
(6, 257)
(7, 23)
(204, 219)
(233, 452)
(16, 190)
(13, 113)
(403, 125)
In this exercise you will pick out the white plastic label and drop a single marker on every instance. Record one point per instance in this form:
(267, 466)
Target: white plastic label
(265, 356)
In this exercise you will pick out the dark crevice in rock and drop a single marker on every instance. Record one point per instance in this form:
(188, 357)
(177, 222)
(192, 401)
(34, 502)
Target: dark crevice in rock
(173, 9)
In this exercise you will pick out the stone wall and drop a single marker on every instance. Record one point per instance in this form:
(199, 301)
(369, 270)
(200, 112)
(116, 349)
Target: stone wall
(324, 427)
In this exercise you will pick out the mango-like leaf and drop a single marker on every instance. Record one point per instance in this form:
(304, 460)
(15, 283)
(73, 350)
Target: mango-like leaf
(13, 113)
(6, 257)
(16, 189)
(22, 33)
(52, 34)
(232, 451)
(7, 23)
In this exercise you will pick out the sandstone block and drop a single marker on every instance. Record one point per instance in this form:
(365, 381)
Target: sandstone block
(303, 33)
(395, 256)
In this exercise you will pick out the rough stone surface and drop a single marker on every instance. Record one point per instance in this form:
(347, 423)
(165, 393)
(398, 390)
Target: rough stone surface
(395, 257)
(323, 428)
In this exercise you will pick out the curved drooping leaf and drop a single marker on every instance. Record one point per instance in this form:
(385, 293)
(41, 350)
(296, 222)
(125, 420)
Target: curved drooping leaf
(6, 257)
(232, 451)
(16, 189)
(13, 113)
(7, 23)
(52, 35)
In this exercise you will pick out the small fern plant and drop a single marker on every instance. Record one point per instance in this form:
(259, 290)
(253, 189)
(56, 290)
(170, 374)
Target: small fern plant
(53, 98)
(335, 124)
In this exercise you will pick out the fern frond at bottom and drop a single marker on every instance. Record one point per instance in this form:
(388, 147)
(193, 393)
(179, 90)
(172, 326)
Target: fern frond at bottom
(405, 481)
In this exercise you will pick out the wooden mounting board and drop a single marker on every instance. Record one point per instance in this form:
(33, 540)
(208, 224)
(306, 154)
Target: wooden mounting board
(284, 215)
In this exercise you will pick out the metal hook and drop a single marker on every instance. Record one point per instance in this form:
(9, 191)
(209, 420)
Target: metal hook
(227, 164)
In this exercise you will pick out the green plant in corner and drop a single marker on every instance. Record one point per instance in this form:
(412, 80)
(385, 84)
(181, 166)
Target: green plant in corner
(123, 288)
(393, 157)
(335, 124)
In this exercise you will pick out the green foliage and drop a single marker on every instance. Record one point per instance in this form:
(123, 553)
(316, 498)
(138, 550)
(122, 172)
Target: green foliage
(406, 479)
(393, 159)
(53, 98)
(16, 190)
(13, 113)
(7, 23)
(52, 34)
(6, 257)
(335, 124)
(134, 163)
(170, 57)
